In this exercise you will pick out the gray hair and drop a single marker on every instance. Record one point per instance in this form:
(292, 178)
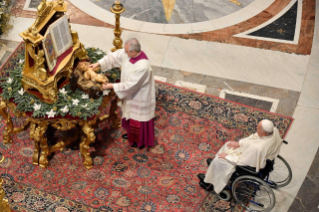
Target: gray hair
(134, 45)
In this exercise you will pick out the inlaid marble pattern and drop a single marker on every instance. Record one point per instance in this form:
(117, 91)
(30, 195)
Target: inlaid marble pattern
(283, 28)
(264, 105)
(34, 3)
(214, 85)
(184, 11)
(223, 35)
(305, 38)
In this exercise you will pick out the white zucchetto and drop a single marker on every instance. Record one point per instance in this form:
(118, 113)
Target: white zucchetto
(267, 125)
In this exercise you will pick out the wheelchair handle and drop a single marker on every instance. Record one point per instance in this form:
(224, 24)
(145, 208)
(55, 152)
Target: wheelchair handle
(285, 142)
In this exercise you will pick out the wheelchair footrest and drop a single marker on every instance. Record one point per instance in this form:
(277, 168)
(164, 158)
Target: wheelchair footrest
(206, 186)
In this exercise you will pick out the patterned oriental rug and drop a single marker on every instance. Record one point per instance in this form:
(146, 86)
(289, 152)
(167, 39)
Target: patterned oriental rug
(190, 127)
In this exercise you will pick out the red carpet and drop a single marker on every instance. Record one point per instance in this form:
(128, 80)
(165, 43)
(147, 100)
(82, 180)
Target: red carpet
(190, 127)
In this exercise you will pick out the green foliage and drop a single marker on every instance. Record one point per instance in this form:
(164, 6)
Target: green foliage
(95, 54)
(77, 103)
(26, 102)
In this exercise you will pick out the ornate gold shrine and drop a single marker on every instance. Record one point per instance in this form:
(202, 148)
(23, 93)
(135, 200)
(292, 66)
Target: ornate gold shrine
(35, 79)
(39, 126)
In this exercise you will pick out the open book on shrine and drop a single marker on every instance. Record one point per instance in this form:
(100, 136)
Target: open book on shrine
(57, 40)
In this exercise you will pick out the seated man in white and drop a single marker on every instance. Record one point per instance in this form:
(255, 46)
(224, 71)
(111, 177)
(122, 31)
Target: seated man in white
(251, 151)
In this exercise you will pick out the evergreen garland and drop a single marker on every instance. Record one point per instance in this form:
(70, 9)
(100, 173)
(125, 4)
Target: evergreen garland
(76, 104)
(95, 55)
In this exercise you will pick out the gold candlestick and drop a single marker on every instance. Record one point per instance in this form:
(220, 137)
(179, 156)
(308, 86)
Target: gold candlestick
(4, 205)
(117, 8)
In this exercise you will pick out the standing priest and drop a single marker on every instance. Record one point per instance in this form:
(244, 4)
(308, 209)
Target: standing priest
(136, 90)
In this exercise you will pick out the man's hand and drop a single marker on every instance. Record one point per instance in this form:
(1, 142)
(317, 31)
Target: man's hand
(95, 65)
(233, 144)
(222, 155)
(107, 86)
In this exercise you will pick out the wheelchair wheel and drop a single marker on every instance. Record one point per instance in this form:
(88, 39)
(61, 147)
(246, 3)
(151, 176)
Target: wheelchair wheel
(253, 194)
(224, 195)
(281, 175)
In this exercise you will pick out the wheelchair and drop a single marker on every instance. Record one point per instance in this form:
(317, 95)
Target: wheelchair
(253, 190)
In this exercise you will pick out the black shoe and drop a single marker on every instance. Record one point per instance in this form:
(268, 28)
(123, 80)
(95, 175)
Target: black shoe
(201, 176)
(209, 160)
(206, 186)
(124, 136)
(134, 145)
(141, 147)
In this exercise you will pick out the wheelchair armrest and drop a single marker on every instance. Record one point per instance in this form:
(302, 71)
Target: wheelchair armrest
(245, 169)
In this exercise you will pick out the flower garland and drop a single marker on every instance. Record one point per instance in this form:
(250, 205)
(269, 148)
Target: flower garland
(76, 104)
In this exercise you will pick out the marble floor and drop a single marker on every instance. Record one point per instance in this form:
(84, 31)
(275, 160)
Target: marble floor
(176, 12)
(219, 56)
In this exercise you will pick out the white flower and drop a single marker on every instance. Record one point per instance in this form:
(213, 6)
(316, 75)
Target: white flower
(36, 107)
(75, 102)
(9, 81)
(3, 3)
(85, 96)
(86, 107)
(21, 61)
(65, 109)
(21, 92)
(63, 91)
(51, 114)
(106, 92)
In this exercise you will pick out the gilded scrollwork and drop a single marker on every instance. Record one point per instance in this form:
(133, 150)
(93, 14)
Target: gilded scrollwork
(13, 108)
(39, 138)
(38, 127)
(36, 152)
(39, 69)
(63, 124)
(34, 74)
(81, 53)
(43, 11)
(87, 139)
(9, 126)
(4, 205)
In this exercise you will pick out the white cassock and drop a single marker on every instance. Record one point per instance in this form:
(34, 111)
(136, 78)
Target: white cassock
(137, 86)
(253, 151)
